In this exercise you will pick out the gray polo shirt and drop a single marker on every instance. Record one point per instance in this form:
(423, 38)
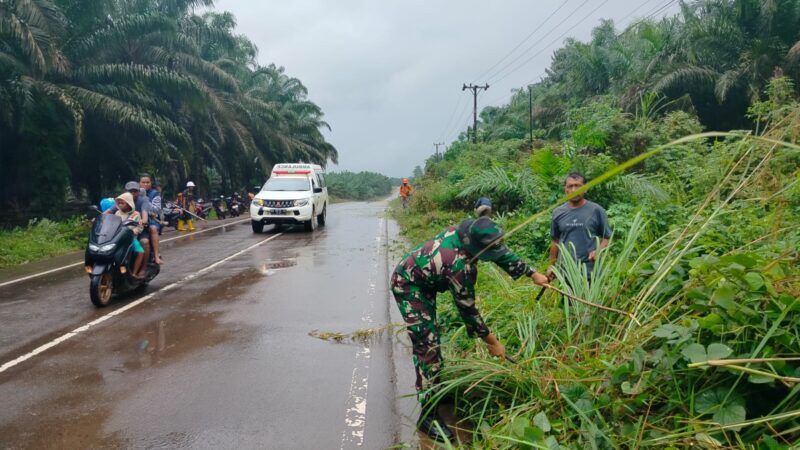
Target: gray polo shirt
(579, 227)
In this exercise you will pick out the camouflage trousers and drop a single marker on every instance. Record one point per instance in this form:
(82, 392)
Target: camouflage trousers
(418, 307)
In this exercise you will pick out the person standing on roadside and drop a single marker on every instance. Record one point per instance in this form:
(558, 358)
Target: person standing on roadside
(405, 192)
(449, 261)
(187, 205)
(577, 224)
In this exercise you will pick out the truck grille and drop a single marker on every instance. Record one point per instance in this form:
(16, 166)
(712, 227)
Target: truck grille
(278, 203)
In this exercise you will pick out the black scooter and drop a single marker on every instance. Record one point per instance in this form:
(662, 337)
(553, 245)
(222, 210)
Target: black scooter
(234, 206)
(109, 260)
(220, 207)
(171, 215)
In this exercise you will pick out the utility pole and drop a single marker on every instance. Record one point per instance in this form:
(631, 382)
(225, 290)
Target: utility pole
(530, 113)
(475, 90)
(437, 144)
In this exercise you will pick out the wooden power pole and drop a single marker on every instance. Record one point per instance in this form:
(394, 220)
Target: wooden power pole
(475, 90)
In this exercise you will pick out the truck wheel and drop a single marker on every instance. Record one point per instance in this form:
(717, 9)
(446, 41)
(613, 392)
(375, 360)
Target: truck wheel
(258, 227)
(100, 289)
(311, 224)
(323, 217)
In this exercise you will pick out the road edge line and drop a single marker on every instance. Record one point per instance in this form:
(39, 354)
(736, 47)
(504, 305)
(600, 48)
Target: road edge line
(47, 272)
(101, 319)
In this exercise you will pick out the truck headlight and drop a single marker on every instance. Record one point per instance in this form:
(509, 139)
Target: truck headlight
(258, 202)
(302, 202)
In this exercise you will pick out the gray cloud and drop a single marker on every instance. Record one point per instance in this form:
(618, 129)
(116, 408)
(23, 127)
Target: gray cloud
(388, 74)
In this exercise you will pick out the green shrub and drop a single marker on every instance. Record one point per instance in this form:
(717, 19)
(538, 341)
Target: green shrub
(42, 238)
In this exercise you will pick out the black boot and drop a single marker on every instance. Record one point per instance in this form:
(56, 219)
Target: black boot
(427, 424)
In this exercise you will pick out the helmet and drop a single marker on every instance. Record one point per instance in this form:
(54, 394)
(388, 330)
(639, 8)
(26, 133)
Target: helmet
(405, 180)
(236, 194)
(190, 184)
(482, 237)
(106, 203)
(131, 185)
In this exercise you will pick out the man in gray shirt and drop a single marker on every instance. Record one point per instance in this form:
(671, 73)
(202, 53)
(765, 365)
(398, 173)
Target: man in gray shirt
(578, 222)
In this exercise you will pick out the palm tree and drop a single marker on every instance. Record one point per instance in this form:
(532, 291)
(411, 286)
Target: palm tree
(727, 52)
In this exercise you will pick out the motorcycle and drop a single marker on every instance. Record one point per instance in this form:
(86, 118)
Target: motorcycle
(235, 207)
(220, 207)
(201, 209)
(109, 260)
(171, 214)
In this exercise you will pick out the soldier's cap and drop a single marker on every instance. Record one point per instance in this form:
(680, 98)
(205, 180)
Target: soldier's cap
(482, 238)
(483, 207)
(483, 201)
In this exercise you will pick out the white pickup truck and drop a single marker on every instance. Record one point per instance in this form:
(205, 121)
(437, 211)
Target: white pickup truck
(294, 194)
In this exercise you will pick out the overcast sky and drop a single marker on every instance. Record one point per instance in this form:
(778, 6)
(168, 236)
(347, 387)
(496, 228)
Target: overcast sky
(388, 74)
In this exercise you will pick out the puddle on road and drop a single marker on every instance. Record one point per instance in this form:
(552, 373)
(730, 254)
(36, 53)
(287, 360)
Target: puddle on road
(270, 267)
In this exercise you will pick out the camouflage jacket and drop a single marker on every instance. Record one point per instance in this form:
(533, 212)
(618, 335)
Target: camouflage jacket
(447, 263)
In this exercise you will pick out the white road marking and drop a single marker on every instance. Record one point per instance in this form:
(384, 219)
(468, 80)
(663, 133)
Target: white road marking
(356, 413)
(131, 305)
(58, 269)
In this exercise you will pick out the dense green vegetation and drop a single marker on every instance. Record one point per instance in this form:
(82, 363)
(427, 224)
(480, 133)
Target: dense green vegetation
(93, 92)
(359, 186)
(41, 239)
(705, 250)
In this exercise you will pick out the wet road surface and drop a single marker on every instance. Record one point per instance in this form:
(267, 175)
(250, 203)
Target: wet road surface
(216, 353)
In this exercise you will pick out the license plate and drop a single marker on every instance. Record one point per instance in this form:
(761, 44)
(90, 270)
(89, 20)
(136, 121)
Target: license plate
(278, 212)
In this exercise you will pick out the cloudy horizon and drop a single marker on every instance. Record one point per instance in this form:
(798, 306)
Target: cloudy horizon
(388, 75)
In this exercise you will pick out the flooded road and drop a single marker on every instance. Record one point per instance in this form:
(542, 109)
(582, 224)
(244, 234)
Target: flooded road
(216, 353)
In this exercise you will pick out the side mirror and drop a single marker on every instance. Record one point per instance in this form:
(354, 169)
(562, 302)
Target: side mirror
(317, 190)
(92, 212)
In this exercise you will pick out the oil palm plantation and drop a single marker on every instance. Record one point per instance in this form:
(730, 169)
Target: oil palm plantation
(95, 91)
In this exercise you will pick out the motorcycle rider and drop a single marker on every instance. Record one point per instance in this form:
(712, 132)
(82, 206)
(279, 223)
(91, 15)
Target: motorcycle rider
(187, 204)
(126, 210)
(146, 183)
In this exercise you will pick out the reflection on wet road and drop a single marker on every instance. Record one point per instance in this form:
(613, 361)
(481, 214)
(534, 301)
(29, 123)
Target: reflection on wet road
(223, 358)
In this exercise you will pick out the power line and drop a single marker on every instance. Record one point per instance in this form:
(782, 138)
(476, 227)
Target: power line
(635, 10)
(449, 125)
(531, 47)
(661, 9)
(535, 30)
(551, 43)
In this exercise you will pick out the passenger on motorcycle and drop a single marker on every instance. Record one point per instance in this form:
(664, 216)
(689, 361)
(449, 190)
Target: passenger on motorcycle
(126, 210)
(146, 183)
(142, 206)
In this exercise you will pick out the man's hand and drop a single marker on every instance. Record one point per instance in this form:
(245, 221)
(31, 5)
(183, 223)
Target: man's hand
(540, 279)
(495, 347)
(550, 274)
(592, 255)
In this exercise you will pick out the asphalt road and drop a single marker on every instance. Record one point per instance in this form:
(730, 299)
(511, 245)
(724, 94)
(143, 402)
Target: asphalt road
(216, 352)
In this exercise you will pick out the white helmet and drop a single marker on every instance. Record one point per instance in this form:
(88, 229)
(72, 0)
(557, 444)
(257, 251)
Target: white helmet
(190, 184)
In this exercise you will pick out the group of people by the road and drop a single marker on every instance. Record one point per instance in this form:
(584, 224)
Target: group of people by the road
(141, 207)
(448, 261)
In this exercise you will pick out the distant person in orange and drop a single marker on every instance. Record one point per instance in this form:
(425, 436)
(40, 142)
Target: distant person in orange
(405, 192)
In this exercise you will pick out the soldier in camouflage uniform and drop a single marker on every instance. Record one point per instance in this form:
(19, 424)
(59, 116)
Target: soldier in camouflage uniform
(449, 262)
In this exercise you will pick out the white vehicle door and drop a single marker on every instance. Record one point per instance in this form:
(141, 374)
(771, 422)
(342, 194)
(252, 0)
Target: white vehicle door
(316, 196)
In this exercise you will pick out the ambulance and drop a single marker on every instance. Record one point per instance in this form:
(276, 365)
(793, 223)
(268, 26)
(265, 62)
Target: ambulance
(294, 194)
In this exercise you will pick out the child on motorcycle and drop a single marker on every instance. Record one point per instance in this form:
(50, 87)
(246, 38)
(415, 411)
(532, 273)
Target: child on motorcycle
(126, 210)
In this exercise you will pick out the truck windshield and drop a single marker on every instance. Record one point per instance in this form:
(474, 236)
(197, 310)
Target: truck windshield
(286, 184)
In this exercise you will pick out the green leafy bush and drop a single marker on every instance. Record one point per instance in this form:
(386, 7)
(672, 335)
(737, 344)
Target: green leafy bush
(42, 238)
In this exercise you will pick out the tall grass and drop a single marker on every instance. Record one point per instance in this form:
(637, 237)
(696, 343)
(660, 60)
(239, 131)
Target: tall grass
(590, 378)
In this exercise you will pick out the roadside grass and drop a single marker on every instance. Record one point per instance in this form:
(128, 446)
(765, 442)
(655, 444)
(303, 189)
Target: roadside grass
(40, 239)
(587, 378)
